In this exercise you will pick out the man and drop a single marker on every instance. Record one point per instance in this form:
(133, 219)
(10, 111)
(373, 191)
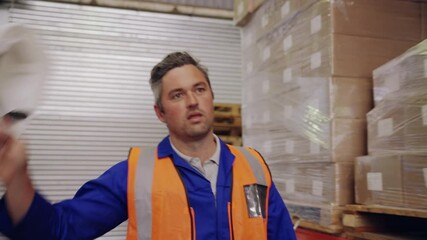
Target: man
(192, 186)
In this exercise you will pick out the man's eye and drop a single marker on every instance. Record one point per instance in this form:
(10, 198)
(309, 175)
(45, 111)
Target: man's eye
(177, 95)
(200, 89)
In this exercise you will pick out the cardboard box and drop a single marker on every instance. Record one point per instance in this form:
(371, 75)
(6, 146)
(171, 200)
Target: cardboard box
(288, 97)
(275, 12)
(399, 124)
(407, 71)
(349, 139)
(315, 183)
(392, 180)
(325, 38)
(308, 20)
(351, 97)
(385, 128)
(415, 127)
(306, 119)
(414, 170)
(359, 56)
(399, 20)
(362, 167)
(424, 21)
(336, 140)
(333, 55)
(379, 180)
(243, 9)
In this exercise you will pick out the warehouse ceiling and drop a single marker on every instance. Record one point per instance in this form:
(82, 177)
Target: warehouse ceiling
(205, 8)
(218, 4)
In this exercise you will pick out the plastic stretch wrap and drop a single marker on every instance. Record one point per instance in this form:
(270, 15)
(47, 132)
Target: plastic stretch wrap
(399, 123)
(414, 171)
(392, 180)
(395, 172)
(306, 120)
(314, 183)
(378, 180)
(307, 67)
(408, 71)
(380, 19)
(424, 20)
(320, 37)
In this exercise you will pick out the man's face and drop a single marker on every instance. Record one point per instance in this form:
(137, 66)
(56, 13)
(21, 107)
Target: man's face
(187, 103)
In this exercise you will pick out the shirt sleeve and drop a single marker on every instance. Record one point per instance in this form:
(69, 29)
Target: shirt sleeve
(98, 206)
(279, 224)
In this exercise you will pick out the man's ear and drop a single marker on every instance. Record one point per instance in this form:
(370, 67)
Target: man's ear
(160, 113)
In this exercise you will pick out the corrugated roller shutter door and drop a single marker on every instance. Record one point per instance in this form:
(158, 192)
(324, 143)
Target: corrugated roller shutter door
(97, 101)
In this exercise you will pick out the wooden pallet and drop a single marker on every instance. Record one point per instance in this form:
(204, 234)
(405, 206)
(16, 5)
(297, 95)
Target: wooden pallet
(330, 229)
(326, 219)
(408, 212)
(227, 115)
(227, 109)
(372, 222)
(227, 131)
(233, 140)
(227, 121)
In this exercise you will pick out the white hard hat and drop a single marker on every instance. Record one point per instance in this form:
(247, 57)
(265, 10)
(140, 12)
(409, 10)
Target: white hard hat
(23, 70)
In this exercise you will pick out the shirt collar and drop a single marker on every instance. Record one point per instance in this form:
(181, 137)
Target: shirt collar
(214, 157)
(164, 149)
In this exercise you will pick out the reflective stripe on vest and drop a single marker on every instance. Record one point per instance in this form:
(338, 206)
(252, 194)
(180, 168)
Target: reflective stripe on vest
(243, 226)
(158, 207)
(255, 166)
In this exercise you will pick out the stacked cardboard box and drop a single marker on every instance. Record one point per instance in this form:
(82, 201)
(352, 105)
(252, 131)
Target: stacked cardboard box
(243, 10)
(379, 180)
(414, 179)
(424, 20)
(320, 38)
(307, 67)
(395, 173)
(316, 183)
(398, 123)
(406, 72)
(398, 180)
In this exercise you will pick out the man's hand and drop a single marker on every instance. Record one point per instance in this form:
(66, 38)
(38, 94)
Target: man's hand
(13, 158)
(13, 173)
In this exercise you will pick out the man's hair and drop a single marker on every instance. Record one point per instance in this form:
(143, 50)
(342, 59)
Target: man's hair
(171, 61)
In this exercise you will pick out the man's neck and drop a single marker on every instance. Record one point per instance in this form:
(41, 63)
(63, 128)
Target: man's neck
(202, 148)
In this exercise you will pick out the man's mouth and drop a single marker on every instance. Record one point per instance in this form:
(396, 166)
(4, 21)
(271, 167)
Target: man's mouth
(194, 117)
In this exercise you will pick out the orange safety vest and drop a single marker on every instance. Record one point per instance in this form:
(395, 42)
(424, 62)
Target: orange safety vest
(158, 208)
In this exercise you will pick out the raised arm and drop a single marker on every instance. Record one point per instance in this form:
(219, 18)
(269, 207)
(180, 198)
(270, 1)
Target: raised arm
(98, 206)
(14, 175)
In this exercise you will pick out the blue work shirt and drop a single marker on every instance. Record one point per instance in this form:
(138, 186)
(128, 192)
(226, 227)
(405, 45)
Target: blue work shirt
(101, 204)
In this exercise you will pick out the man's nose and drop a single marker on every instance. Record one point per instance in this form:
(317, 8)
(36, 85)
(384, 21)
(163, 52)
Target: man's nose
(192, 99)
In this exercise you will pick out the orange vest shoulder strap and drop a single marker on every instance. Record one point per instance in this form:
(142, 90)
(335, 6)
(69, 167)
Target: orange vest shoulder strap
(249, 219)
(156, 199)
